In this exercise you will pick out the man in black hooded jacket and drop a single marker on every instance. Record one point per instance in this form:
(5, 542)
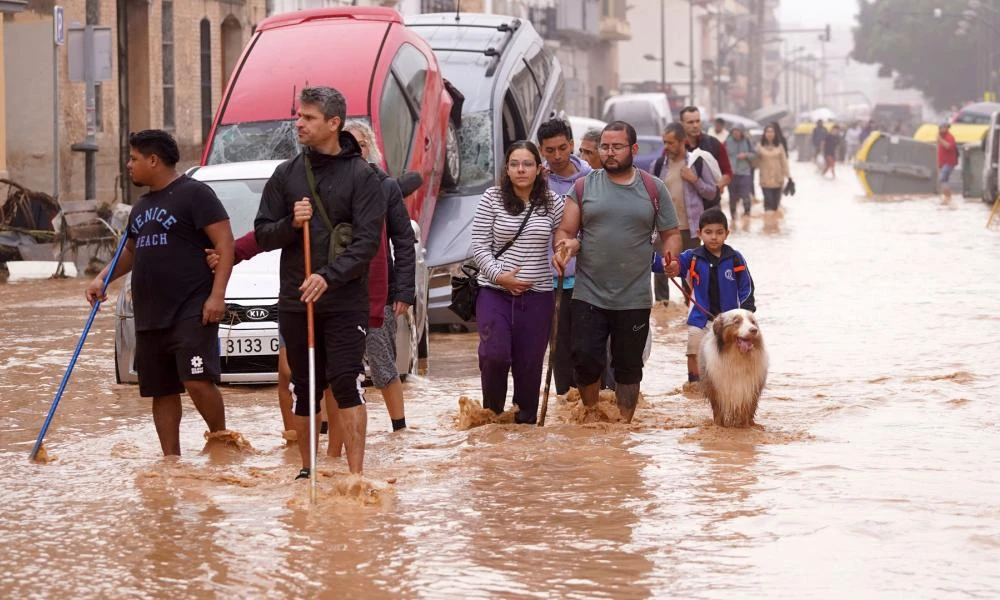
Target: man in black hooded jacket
(350, 193)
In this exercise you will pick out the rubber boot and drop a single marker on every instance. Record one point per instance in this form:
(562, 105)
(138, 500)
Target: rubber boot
(590, 394)
(627, 397)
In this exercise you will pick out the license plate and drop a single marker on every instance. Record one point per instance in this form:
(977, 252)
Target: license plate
(248, 346)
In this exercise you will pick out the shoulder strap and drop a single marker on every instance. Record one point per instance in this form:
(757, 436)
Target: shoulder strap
(652, 190)
(311, 180)
(658, 165)
(699, 164)
(524, 222)
(578, 189)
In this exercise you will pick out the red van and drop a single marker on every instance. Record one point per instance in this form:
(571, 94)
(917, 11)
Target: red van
(388, 74)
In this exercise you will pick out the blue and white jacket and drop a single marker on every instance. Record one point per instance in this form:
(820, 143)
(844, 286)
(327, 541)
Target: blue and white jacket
(735, 283)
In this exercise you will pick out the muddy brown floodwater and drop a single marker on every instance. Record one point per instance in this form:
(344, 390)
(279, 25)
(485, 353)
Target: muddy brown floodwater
(874, 472)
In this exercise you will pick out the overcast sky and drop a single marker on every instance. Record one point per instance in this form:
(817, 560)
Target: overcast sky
(813, 13)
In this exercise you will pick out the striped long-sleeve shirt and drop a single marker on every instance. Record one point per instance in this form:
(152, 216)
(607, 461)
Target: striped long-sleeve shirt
(493, 227)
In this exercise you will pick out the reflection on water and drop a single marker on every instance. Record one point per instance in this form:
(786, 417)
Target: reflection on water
(872, 471)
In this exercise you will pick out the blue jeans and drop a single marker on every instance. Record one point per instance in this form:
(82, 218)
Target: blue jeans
(946, 172)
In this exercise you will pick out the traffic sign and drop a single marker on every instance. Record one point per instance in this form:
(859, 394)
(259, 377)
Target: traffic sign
(59, 25)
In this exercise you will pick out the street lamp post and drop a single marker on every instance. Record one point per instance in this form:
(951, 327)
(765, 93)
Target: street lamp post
(691, 52)
(663, 46)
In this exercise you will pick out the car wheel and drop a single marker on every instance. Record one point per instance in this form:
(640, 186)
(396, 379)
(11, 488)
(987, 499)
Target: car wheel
(452, 158)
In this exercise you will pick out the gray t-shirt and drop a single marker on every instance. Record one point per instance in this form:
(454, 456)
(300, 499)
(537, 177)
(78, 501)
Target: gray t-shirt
(616, 249)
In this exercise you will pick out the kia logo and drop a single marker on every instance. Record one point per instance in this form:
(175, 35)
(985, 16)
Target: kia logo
(257, 314)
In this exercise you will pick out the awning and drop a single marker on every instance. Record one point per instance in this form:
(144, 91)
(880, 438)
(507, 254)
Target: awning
(12, 6)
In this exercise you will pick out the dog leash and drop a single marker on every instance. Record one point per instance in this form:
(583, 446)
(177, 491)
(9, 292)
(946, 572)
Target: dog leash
(669, 259)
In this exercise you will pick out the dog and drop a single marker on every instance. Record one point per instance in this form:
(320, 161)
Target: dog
(732, 362)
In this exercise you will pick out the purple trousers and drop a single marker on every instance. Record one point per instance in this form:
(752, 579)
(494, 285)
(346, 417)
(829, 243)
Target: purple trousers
(513, 333)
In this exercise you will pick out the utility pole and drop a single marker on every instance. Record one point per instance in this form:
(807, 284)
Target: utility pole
(691, 53)
(663, 46)
(787, 66)
(716, 94)
(822, 71)
(756, 84)
(89, 145)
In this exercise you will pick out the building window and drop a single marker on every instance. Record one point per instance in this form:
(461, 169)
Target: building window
(98, 106)
(232, 47)
(167, 31)
(436, 6)
(206, 78)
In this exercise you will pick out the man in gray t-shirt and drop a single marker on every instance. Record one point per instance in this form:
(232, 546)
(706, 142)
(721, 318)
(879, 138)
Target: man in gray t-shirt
(610, 229)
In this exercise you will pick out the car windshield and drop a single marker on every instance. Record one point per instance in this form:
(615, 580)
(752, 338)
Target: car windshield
(637, 113)
(475, 139)
(261, 140)
(892, 114)
(971, 118)
(241, 199)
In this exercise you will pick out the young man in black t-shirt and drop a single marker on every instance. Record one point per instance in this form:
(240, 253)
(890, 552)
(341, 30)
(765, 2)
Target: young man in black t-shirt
(178, 302)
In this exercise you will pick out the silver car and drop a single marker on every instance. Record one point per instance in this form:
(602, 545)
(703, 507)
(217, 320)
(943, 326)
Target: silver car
(511, 83)
(248, 334)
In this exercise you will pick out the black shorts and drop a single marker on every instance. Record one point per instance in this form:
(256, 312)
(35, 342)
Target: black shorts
(165, 358)
(340, 351)
(592, 326)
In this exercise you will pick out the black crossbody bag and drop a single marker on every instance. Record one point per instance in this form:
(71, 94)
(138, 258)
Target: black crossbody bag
(465, 287)
(342, 233)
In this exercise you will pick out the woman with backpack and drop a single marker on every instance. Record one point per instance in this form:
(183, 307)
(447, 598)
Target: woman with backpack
(511, 235)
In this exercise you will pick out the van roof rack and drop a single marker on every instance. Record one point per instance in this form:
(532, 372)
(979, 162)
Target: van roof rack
(492, 51)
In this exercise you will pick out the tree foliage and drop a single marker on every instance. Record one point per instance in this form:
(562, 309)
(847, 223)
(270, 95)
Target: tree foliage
(922, 49)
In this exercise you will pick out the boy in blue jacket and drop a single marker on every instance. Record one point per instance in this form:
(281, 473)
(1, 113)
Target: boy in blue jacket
(718, 277)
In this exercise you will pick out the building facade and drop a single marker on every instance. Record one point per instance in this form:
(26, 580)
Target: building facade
(169, 63)
(726, 48)
(170, 60)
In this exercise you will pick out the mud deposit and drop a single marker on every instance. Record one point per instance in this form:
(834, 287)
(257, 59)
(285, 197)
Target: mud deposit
(871, 473)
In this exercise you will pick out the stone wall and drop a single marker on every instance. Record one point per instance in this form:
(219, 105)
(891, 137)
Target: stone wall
(29, 145)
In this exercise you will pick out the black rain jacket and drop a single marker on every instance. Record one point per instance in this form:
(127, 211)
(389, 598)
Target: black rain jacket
(351, 193)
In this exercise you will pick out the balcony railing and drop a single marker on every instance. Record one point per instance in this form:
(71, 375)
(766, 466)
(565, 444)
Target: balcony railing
(615, 29)
(578, 19)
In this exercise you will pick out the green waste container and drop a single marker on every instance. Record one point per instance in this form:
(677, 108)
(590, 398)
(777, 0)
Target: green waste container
(972, 162)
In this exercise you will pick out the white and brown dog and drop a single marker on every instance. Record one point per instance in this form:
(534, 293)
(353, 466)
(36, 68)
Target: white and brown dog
(732, 363)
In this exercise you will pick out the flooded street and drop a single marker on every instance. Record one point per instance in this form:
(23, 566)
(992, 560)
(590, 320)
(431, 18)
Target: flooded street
(874, 471)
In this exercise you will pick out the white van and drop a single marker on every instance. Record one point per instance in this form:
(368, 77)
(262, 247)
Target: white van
(582, 125)
(648, 113)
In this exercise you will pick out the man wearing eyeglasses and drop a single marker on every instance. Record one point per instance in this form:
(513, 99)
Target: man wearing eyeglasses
(614, 210)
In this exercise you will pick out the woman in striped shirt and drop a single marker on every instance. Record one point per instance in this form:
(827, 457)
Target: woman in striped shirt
(514, 309)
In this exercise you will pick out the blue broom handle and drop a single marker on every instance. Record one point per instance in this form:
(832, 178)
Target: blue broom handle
(79, 346)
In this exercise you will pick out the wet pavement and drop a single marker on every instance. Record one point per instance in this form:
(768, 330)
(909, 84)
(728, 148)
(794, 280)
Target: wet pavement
(872, 472)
